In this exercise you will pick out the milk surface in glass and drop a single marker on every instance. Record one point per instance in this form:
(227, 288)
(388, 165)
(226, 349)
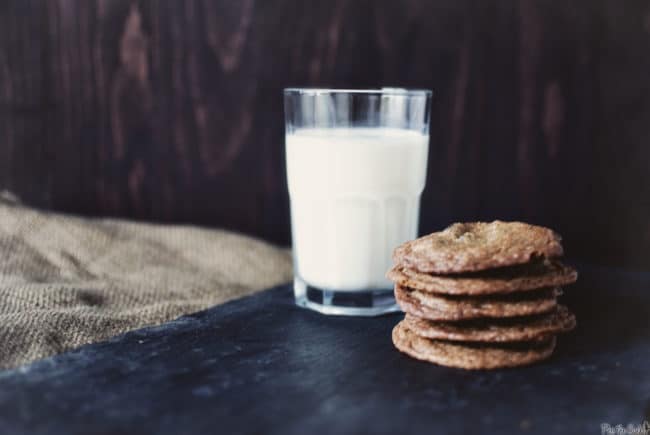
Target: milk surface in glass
(354, 197)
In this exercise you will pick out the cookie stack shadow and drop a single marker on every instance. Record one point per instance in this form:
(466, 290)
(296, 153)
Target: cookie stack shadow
(481, 295)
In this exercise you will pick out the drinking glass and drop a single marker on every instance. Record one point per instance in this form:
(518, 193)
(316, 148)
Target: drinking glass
(356, 167)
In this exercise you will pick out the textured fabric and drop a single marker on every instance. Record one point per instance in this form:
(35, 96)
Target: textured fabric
(67, 281)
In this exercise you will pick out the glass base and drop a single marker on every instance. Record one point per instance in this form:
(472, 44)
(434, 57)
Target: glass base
(344, 303)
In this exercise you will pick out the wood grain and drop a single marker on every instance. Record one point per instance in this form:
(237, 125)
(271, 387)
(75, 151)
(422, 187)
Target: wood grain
(171, 110)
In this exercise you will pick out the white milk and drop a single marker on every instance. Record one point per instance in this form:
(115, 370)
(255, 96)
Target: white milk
(355, 196)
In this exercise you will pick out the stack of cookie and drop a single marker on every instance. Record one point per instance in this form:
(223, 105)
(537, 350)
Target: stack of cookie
(481, 295)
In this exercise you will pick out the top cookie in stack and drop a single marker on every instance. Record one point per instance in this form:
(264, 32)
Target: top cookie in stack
(481, 295)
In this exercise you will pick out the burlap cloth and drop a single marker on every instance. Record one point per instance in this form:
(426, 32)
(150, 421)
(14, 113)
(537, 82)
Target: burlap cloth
(67, 281)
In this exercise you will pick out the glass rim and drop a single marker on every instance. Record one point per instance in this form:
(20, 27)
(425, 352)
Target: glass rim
(409, 92)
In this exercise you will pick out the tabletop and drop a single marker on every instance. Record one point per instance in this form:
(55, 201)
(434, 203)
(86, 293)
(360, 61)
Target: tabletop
(262, 365)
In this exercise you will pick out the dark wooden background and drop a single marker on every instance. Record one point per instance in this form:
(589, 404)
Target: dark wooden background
(171, 110)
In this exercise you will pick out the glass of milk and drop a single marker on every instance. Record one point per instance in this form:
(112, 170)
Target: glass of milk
(356, 167)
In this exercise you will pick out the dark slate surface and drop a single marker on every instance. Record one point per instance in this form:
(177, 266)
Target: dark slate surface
(262, 365)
